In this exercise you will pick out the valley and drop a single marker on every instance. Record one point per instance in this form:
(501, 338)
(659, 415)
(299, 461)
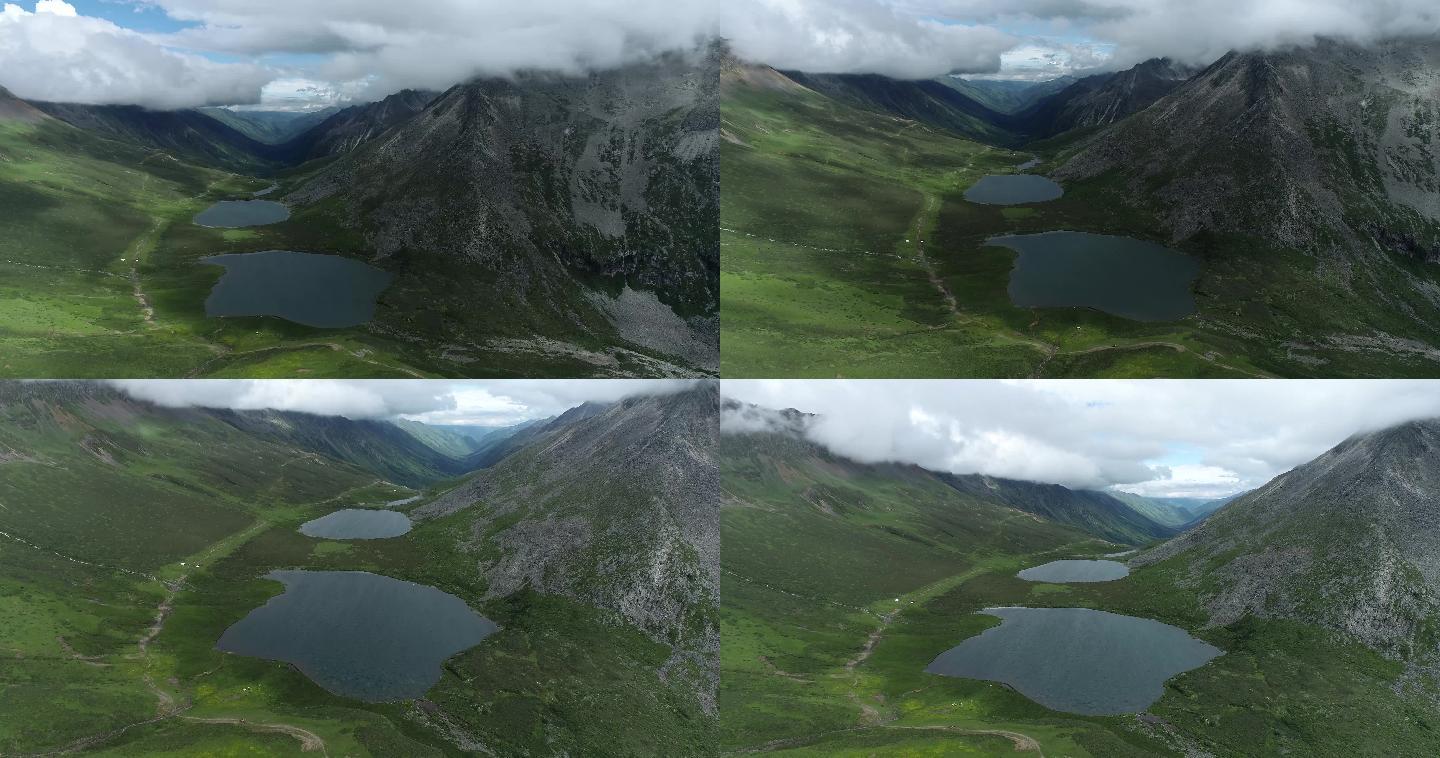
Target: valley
(845, 584)
(863, 222)
(138, 246)
(139, 542)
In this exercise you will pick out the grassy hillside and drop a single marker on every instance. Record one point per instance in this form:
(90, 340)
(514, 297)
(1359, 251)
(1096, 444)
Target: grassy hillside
(842, 582)
(102, 277)
(131, 537)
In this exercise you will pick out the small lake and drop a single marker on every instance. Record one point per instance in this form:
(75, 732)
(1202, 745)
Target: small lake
(1077, 660)
(1125, 277)
(358, 634)
(328, 291)
(1027, 165)
(231, 214)
(357, 524)
(1075, 571)
(1013, 189)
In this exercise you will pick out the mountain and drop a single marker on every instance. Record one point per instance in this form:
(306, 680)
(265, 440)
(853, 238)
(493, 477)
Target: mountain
(453, 441)
(373, 445)
(1307, 180)
(14, 109)
(1103, 99)
(1174, 512)
(186, 134)
(1006, 95)
(1098, 513)
(344, 130)
(935, 104)
(270, 127)
(1349, 542)
(553, 214)
(615, 508)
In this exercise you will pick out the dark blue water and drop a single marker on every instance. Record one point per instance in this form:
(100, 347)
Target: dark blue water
(357, 634)
(316, 290)
(357, 524)
(1077, 660)
(1075, 571)
(231, 214)
(1121, 276)
(1013, 189)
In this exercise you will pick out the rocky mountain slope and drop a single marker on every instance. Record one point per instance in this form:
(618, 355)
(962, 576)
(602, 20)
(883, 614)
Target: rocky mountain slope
(347, 129)
(932, 103)
(575, 208)
(618, 510)
(1349, 541)
(1098, 513)
(270, 127)
(1007, 95)
(1103, 98)
(14, 109)
(1312, 146)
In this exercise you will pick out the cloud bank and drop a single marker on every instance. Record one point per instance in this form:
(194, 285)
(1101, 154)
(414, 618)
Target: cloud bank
(480, 403)
(1195, 31)
(357, 50)
(53, 53)
(1158, 438)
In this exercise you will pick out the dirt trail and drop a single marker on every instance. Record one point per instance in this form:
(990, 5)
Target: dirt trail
(309, 741)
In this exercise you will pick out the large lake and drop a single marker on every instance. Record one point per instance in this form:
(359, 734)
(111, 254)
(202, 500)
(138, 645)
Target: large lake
(1075, 571)
(1013, 189)
(357, 634)
(316, 290)
(232, 214)
(1077, 660)
(1125, 277)
(357, 524)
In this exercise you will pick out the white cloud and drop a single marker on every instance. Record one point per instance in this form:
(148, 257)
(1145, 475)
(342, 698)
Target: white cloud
(1097, 433)
(485, 403)
(54, 53)
(859, 36)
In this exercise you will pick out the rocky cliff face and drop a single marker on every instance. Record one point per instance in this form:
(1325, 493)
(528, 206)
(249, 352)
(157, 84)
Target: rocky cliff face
(619, 510)
(1349, 541)
(591, 202)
